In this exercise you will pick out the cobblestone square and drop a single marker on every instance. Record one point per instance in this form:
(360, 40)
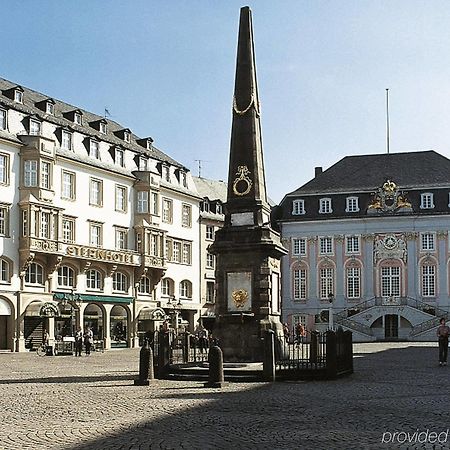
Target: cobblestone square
(90, 403)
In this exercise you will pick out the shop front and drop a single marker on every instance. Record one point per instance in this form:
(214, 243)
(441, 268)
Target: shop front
(5, 324)
(149, 321)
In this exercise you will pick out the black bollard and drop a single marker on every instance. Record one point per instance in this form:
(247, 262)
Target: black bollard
(269, 356)
(145, 366)
(215, 359)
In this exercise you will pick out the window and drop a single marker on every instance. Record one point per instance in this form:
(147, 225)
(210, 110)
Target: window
(390, 281)
(209, 232)
(121, 239)
(299, 246)
(186, 253)
(66, 140)
(4, 271)
(298, 207)
(94, 149)
(426, 200)
(120, 282)
(299, 284)
(209, 261)
(66, 276)
(142, 163)
(94, 280)
(96, 192)
(326, 282)
(67, 185)
(325, 206)
(45, 224)
(210, 292)
(24, 223)
(68, 230)
(154, 245)
(4, 168)
(176, 252)
(166, 173)
(184, 179)
(326, 245)
(50, 108)
(205, 205)
(33, 275)
(121, 198)
(30, 170)
(167, 286)
(427, 242)
(4, 220)
(186, 289)
(428, 281)
(103, 128)
(144, 286)
(35, 128)
(352, 244)
(353, 282)
(167, 212)
(77, 118)
(218, 208)
(3, 117)
(95, 234)
(119, 157)
(186, 216)
(126, 136)
(154, 203)
(45, 175)
(142, 202)
(352, 204)
(18, 96)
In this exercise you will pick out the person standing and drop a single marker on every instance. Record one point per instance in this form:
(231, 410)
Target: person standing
(78, 342)
(88, 340)
(442, 333)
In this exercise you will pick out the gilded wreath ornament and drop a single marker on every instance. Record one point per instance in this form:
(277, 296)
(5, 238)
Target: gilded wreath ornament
(242, 177)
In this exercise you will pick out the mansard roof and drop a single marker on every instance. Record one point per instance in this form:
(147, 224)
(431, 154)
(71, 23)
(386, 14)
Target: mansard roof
(364, 173)
(60, 117)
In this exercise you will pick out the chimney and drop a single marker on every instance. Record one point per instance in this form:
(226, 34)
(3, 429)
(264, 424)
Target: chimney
(317, 171)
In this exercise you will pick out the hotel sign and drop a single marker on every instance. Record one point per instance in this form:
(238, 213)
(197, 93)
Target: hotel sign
(99, 254)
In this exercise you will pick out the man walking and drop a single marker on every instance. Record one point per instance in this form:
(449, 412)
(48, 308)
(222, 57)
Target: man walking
(442, 333)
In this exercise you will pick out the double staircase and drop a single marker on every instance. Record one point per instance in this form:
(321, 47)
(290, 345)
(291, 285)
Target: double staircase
(348, 318)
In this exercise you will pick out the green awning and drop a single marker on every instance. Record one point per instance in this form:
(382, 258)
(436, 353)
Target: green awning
(97, 298)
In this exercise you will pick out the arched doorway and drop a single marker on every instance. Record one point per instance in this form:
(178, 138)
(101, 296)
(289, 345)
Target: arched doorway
(5, 319)
(119, 327)
(93, 318)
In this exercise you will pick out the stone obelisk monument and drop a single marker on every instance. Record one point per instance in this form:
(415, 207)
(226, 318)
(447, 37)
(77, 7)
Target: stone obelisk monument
(248, 250)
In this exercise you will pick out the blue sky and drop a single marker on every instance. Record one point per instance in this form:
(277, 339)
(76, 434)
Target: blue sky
(165, 68)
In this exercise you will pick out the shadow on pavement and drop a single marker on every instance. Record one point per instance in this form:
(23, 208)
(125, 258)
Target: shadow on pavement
(71, 379)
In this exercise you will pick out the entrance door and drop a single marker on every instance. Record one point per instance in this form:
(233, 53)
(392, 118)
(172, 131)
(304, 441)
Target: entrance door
(391, 326)
(4, 332)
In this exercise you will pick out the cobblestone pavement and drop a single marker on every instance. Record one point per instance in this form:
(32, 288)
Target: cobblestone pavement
(90, 403)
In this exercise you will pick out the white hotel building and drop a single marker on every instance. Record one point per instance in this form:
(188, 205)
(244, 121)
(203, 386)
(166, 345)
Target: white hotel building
(98, 227)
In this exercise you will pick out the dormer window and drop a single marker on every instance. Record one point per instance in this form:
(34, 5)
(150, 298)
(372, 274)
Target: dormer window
(298, 207)
(50, 108)
(184, 179)
(18, 95)
(127, 136)
(94, 149)
(219, 208)
(325, 206)
(206, 206)
(35, 127)
(166, 173)
(3, 117)
(145, 142)
(77, 118)
(352, 204)
(119, 157)
(426, 200)
(66, 140)
(103, 127)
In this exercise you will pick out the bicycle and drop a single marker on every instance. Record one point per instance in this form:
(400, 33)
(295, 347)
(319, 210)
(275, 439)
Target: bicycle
(41, 350)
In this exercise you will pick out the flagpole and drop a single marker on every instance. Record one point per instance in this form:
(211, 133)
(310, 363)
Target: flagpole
(387, 120)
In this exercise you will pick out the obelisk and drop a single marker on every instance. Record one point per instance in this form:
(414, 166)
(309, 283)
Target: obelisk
(248, 250)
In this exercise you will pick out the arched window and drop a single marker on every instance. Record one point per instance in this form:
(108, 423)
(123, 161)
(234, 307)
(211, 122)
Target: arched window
(94, 280)
(5, 271)
(120, 282)
(167, 286)
(144, 285)
(34, 274)
(66, 276)
(186, 289)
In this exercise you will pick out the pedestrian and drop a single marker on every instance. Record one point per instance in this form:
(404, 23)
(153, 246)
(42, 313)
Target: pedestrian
(45, 338)
(299, 333)
(442, 333)
(202, 337)
(88, 340)
(78, 341)
(286, 332)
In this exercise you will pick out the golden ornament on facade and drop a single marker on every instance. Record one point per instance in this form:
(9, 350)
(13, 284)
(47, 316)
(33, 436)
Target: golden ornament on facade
(240, 297)
(242, 177)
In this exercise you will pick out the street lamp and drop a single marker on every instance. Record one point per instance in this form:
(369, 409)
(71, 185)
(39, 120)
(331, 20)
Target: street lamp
(330, 315)
(176, 308)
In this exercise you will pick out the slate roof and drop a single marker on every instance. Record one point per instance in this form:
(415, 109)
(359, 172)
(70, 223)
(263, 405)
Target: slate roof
(31, 98)
(211, 189)
(366, 173)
